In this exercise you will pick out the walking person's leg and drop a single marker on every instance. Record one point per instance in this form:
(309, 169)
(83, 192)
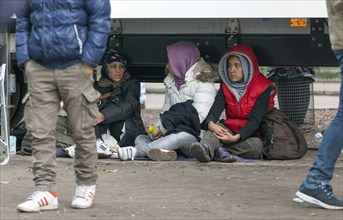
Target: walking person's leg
(315, 188)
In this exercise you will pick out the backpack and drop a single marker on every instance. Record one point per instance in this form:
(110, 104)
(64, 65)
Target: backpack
(63, 135)
(281, 137)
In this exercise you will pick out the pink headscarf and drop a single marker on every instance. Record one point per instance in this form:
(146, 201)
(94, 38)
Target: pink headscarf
(182, 56)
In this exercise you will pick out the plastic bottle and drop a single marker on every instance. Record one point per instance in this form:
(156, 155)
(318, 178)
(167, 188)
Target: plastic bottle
(318, 137)
(13, 144)
(151, 130)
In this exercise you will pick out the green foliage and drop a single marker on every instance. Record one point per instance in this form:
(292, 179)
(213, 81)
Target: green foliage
(327, 73)
(264, 70)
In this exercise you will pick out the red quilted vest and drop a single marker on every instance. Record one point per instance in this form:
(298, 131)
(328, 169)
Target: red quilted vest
(237, 112)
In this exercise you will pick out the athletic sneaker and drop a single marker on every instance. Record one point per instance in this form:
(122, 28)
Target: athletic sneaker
(127, 153)
(84, 196)
(38, 201)
(102, 149)
(201, 152)
(110, 141)
(222, 155)
(320, 195)
(71, 150)
(162, 155)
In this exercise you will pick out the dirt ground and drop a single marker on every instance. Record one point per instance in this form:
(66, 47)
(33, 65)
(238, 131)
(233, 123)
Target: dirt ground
(183, 189)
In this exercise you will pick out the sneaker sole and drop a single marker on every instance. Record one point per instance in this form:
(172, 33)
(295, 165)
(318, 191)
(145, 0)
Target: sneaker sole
(199, 153)
(314, 201)
(229, 159)
(44, 208)
(78, 206)
(159, 155)
(104, 156)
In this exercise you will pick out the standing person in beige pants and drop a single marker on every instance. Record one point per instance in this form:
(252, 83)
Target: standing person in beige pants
(58, 45)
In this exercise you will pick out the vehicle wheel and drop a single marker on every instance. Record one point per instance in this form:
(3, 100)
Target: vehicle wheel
(16, 113)
(17, 109)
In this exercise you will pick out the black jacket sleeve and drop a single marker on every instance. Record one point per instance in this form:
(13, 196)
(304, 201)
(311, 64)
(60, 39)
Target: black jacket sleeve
(181, 117)
(255, 117)
(216, 109)
(126, 107)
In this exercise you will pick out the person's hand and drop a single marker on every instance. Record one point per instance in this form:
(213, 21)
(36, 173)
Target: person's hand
(227, 137)
(157, 134)
(100, 118)
(89, 69)
(106, 95)
(217, 129)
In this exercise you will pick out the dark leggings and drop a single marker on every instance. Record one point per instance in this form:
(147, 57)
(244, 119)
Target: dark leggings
(115, 129)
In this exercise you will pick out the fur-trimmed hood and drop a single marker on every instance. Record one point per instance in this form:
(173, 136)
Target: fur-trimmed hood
(204, 72)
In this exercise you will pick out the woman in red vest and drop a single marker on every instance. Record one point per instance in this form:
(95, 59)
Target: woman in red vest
(246, 95)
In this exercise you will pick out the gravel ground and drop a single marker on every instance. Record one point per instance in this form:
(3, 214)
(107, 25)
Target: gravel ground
(182, 189)
(323, 117)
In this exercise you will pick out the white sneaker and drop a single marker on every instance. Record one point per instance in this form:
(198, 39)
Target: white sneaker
(71, 150)
(39, 200)
(84, 196)
(114, 156)
(110, 141)
(102, 149)
(127, 153)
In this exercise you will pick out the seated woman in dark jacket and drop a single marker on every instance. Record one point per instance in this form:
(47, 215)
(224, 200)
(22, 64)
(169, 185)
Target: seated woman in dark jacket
(245, 95)
(119, 103)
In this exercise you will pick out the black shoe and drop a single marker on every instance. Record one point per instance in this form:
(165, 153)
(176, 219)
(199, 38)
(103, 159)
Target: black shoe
(201, 152)
(320, 195)
(222, 155)
(229, 159)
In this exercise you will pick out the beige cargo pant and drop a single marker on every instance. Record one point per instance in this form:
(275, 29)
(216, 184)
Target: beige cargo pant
(47, 87)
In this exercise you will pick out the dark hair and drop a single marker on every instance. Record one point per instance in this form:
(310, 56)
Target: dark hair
(109, 58)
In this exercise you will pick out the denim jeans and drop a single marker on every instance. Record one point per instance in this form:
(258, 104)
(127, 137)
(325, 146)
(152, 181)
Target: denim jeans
(177, 141)
(332, 143)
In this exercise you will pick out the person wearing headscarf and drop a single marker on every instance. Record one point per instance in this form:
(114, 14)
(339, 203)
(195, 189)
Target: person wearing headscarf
(189, 95)
(246, 96)
(119, 104)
